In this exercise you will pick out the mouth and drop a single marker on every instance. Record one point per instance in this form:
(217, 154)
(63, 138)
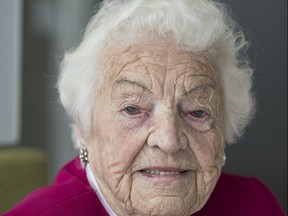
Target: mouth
(162, 171)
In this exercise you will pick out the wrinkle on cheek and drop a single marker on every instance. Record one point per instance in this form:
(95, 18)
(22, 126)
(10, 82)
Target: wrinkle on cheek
(119, 166)
(124, 123)
(207, 148)
(208, 152)
(205, 182)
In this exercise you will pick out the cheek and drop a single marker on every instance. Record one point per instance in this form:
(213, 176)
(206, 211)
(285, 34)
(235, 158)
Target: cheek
(208, 149)
(117, 149)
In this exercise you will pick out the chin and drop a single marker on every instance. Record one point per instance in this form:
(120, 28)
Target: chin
(160, 206)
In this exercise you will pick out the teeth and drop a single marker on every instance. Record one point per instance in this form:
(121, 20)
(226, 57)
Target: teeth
(158, 172)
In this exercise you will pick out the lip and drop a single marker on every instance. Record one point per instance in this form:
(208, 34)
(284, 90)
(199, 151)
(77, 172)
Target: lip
(167, 169)
(175, 172)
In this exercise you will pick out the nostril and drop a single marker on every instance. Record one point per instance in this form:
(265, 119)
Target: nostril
(166, 143)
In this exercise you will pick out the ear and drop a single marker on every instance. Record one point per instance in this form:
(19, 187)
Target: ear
(80, 139)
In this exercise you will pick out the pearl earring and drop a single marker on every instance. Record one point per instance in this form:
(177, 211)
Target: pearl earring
(83, 156)
(224, 160)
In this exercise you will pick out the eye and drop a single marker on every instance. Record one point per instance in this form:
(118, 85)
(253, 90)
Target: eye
(199, 114)
(132, 110)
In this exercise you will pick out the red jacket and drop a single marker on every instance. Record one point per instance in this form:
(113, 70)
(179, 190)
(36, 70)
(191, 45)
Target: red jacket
(71, 195)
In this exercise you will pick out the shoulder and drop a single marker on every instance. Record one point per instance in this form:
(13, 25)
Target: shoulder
(237, 195)
(70, 194)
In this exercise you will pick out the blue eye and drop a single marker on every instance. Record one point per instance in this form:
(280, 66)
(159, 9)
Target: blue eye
(132, 110)
(199, 113)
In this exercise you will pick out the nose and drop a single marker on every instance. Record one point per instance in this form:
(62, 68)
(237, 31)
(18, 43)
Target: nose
(167, 136)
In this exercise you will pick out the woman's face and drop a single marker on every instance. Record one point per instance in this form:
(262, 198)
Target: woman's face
(156, 146)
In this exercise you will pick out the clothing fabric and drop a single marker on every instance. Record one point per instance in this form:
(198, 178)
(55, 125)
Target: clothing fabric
(71, 194)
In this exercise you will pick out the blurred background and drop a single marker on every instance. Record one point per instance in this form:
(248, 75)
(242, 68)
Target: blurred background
(35, 131)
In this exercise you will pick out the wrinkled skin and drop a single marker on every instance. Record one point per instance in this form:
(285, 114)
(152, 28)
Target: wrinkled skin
(157, 109)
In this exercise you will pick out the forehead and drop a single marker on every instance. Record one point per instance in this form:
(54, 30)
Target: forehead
(158, 65)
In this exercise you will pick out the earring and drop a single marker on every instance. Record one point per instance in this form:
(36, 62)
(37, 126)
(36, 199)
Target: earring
(83, 156)
(224, 160)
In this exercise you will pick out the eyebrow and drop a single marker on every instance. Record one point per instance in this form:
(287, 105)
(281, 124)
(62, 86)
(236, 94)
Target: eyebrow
(130, 82)
(204, 86)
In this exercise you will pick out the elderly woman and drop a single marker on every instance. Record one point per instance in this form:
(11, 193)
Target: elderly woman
(155, 90)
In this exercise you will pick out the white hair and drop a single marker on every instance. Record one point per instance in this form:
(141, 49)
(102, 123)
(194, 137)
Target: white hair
(198, 26)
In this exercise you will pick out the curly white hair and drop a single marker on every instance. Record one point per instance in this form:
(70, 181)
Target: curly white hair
(204, 27)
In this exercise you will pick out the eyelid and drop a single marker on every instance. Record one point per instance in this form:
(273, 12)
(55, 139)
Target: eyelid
(142, 110)
(200, 124)
(137, 100)
(193, 113)
(191, 109)
(138, 111)
(189, 106)
(195, 117)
